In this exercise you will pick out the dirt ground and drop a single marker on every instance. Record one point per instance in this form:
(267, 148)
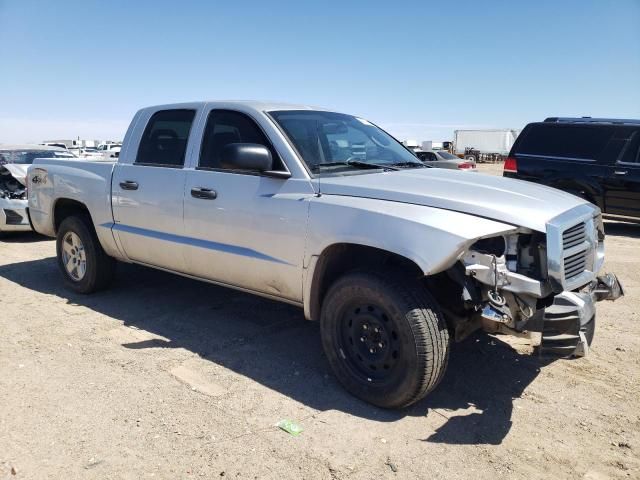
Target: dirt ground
(164, 377)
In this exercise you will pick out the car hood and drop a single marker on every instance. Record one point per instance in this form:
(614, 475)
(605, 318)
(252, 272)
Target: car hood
(18, 171)
(516, 202)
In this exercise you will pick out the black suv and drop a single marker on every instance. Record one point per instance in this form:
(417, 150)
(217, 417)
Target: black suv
(595, 158)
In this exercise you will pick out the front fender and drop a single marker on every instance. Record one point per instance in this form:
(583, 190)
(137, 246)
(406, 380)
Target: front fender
(433, 238)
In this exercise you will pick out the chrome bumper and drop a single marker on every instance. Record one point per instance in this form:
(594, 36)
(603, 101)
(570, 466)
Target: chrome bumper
(569, 323)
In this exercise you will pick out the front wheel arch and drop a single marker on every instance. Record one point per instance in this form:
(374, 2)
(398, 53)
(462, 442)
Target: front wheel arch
(584, 190)
(337, 259)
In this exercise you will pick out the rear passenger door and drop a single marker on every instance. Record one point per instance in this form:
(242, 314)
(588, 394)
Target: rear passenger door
(148, 191)
(623, 183)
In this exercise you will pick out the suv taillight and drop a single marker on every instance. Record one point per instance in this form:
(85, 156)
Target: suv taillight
(511, 165)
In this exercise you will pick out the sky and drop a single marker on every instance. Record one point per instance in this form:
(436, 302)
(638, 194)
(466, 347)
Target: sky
(419, 69)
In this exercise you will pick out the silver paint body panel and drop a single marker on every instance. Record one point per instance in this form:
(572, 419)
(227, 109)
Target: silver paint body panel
(263, 234)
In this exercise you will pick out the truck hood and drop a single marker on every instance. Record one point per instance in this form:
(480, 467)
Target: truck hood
(516, 202)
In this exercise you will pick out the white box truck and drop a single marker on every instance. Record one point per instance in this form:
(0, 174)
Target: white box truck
(484, 145)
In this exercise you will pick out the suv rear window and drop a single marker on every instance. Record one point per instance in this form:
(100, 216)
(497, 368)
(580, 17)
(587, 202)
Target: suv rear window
(568, 141)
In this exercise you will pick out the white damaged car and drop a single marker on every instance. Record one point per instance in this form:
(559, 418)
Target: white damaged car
(14, 161)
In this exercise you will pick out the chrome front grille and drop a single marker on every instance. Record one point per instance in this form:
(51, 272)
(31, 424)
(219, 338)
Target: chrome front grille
(575, 238)
(575, 251)
(575, 264)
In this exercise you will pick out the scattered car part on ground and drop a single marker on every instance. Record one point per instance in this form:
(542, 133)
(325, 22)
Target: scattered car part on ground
(597, 159)
(327, 212)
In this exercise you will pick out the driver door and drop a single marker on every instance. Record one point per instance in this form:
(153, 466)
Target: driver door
(245, 229)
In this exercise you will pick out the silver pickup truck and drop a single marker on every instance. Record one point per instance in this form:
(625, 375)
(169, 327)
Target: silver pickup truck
(327, 211)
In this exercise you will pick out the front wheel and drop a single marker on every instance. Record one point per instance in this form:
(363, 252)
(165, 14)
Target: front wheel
(85, 266)
(385, 338)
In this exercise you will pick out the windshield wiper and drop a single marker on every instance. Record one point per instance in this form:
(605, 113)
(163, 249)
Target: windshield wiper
(356, 164)
(409, 165)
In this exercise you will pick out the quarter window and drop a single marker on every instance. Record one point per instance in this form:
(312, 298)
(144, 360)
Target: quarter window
(225, 127)
(164, 141)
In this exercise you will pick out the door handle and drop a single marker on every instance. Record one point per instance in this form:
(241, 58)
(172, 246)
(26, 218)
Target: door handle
(620, 172)
(129, 185)
(204, 193)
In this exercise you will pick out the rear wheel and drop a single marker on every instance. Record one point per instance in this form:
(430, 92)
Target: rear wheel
(385, 338)
(85, 266)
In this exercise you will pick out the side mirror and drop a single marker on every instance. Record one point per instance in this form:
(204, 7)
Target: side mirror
(246, 156)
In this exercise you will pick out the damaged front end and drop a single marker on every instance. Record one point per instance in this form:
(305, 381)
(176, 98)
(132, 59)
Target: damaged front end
(528, 282)
(13, 198)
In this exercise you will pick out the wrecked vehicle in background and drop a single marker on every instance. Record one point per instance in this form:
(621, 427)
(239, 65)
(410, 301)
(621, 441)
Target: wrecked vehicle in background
(14, 161)
(328, 212)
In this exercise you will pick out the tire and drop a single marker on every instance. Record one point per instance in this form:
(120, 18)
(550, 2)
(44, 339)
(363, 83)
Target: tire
(589, 330)
(400, 362)
(77, 240)
(470, 158)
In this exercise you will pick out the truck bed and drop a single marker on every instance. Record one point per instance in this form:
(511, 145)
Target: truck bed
(87, 182)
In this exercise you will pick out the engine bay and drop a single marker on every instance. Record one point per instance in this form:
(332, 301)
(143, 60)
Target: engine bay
(12, 185)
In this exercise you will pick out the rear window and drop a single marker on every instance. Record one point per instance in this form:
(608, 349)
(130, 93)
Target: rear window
(447, 156)
(567, 141)
(26, 157)
(164, 141)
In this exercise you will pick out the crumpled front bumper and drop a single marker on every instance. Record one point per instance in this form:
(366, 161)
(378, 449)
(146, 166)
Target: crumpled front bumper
(569, 323)
(13, 216)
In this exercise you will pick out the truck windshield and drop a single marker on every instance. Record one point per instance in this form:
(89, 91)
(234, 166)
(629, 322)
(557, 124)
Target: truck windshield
(332, 143)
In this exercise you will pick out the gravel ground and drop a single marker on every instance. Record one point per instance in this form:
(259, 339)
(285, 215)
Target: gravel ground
(164, 377)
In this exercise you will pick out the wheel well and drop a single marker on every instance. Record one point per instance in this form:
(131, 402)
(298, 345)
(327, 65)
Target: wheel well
(343, 257)
(579, 189)
(65, 208)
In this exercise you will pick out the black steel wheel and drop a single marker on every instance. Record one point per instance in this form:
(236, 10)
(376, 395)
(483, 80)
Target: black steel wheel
(385, 337)
(369, 341)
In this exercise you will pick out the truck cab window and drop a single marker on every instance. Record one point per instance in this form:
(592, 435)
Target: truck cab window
(164, 141)
(225, 127)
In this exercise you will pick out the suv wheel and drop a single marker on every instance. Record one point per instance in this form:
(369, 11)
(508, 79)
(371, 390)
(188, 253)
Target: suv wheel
(385, 338)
